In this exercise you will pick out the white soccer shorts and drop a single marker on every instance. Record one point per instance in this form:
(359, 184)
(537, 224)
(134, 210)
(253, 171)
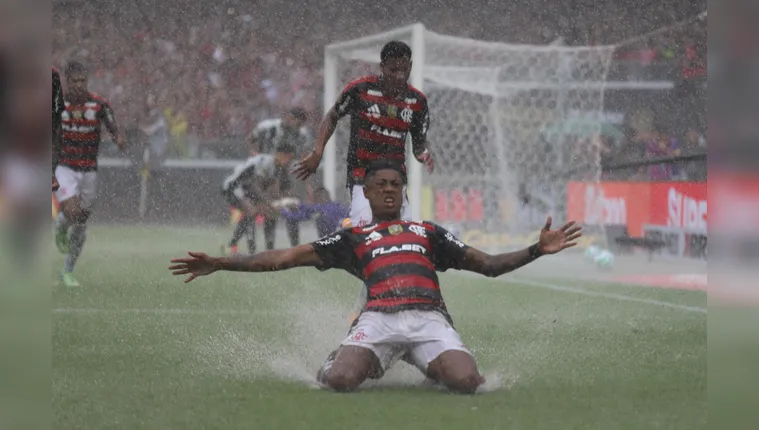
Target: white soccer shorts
(423, 334)
(361, 212)
(73, 184)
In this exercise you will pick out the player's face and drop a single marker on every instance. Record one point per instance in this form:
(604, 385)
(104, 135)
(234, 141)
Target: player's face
(396, 72)
(384, 190)
(77, 84)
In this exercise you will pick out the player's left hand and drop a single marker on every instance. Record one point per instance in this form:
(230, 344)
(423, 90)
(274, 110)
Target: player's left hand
(199, 264)
(426, 159)
(553, 241)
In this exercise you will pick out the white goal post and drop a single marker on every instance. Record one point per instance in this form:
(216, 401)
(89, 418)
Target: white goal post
(507, 121)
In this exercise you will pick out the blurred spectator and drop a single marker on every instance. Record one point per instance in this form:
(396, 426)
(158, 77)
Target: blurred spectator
(661, 145)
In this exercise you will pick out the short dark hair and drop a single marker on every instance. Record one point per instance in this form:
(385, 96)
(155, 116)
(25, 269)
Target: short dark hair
(377, 165)
(299, 113)
(286, 148)
(75, 67)
(394, 49)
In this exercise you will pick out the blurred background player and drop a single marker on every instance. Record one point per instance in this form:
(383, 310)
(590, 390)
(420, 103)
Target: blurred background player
(328, 214)
(384, 109)
(82, 119)
(265, 138)
(58, 107)
(251, 188)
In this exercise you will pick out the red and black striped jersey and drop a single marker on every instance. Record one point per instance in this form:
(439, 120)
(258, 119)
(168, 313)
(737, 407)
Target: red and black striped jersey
(82, 126)
(380, 124)
(397, 261)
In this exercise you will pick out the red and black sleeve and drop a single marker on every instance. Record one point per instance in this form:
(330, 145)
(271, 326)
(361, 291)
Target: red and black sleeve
(448, 252)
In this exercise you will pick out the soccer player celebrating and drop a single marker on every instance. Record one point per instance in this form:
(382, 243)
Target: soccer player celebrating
(397, 260)
(251, 188)
(384, 110)
(82, 119)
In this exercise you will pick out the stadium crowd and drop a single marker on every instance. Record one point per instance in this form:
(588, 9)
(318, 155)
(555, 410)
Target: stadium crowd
(205, 72)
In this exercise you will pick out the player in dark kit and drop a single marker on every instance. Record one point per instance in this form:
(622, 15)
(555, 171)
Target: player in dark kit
(82, 119)
(252, 188)
(405, 314)
(384, 110)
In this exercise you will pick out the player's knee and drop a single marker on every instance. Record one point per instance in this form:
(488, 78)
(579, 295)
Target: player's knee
(464, 383)
(343, 379)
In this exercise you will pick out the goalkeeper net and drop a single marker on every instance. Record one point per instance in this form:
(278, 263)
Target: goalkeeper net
(510, 124)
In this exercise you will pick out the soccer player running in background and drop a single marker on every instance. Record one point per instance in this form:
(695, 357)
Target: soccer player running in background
(265, 138)
(82, 119)
(329, 214)
(251, 188)
(58, 107)
(384, 110)
(405, 314)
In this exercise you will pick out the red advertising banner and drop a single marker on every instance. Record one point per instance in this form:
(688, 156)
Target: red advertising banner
(673, 204)
(457, 205)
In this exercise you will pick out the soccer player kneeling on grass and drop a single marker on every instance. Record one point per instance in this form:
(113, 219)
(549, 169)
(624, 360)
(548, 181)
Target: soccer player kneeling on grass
(397, 261)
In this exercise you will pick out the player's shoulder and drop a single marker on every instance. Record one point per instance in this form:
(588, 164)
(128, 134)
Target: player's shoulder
(427, 225)
(362, 81)
(415, 92)
(336, 236)
(97, 98)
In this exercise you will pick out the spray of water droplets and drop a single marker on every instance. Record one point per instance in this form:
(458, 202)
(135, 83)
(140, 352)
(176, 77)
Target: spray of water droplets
(316, 323)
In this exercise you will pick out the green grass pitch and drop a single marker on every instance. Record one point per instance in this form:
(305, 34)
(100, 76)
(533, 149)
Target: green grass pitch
(135, 348)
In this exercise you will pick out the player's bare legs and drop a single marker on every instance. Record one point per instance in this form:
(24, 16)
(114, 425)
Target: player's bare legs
(348, 367)
(456, 370)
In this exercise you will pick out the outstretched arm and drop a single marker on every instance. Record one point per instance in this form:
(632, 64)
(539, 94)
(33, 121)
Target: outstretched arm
(499, 264)
(551, 242)
(200, 264)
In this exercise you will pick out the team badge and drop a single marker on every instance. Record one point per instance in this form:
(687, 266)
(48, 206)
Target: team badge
(395, 229)
(392, 111)
(77, 114)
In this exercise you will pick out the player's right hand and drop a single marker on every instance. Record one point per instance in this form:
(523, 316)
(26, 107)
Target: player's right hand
(307, 166)
(199, 264)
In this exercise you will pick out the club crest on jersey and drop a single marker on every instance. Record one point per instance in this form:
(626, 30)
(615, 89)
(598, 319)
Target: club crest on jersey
(406, 115)
(77, 114)
(418, 230)
(392, 111)
(395, 230)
